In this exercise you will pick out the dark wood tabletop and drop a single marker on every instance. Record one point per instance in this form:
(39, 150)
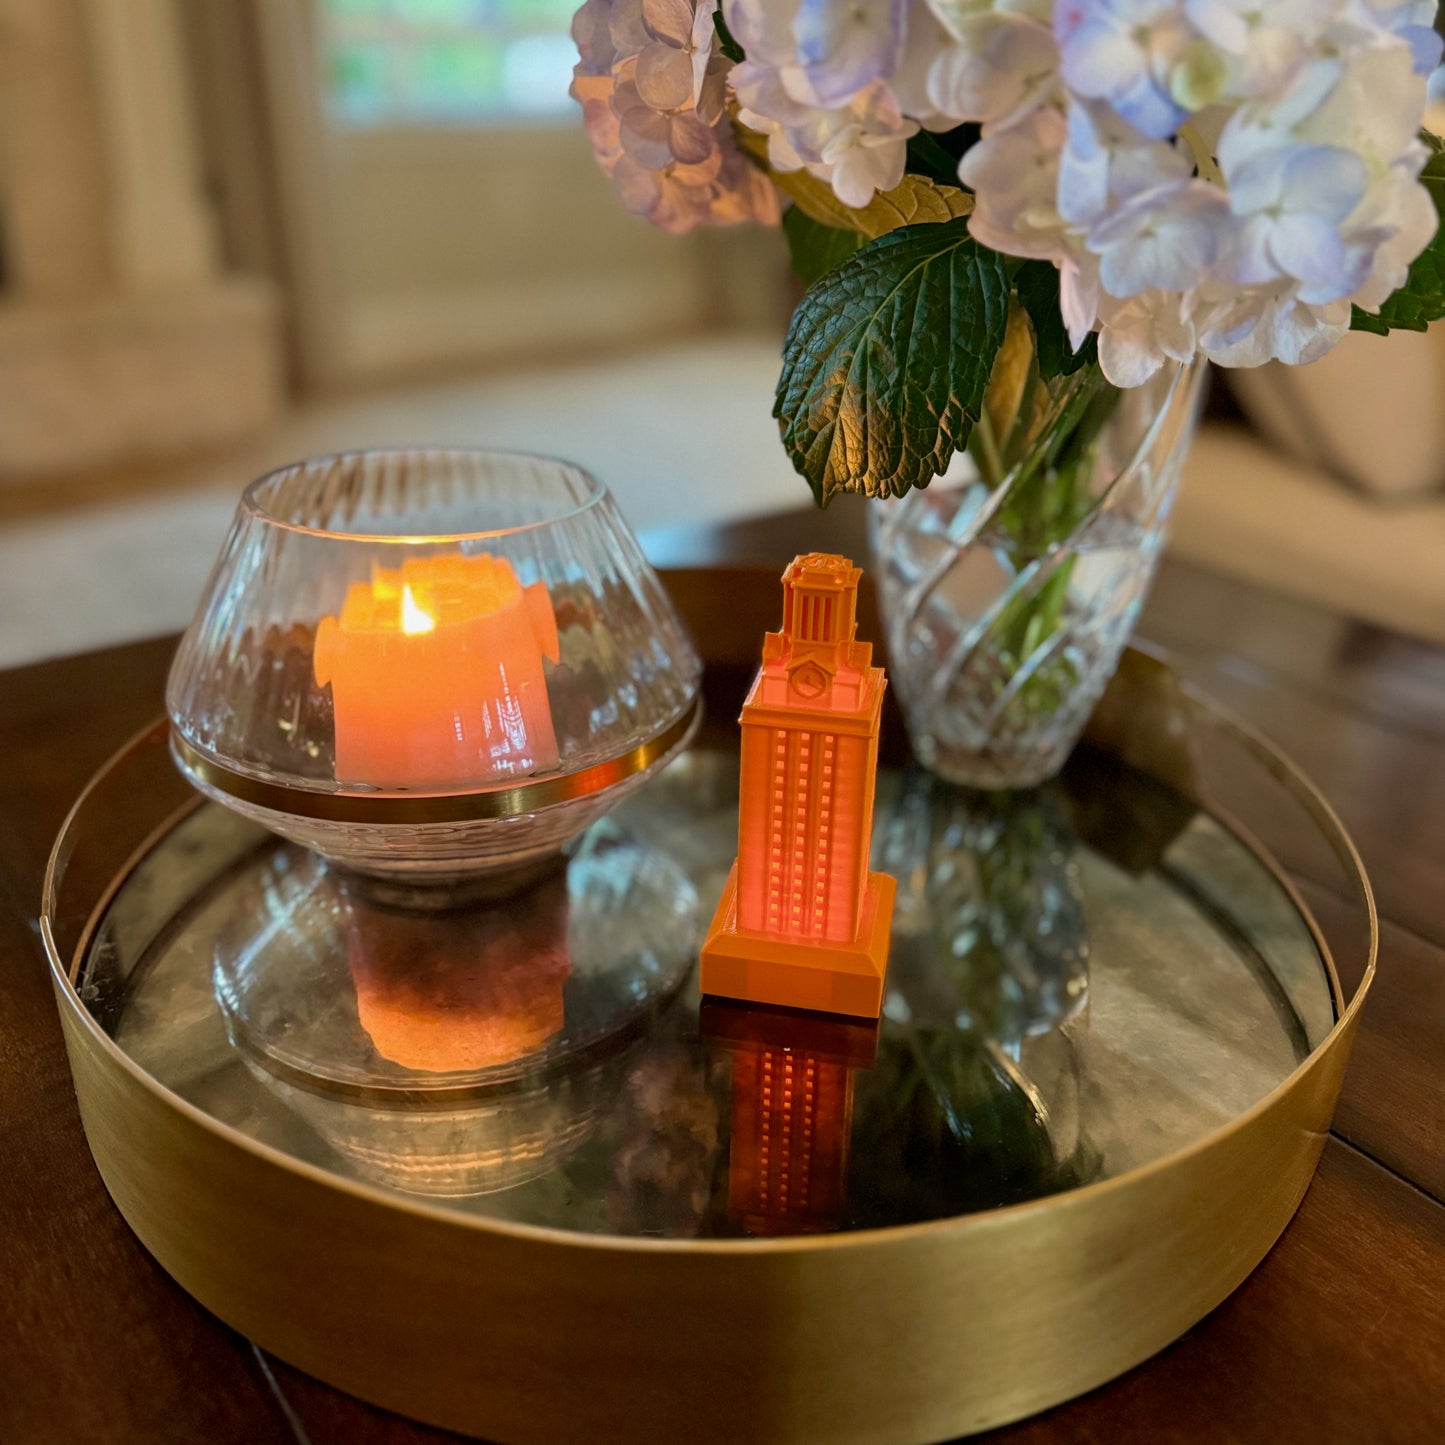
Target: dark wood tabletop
(1339, 1336)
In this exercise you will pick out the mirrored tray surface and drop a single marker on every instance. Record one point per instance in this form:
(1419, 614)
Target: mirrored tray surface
(1083, 980)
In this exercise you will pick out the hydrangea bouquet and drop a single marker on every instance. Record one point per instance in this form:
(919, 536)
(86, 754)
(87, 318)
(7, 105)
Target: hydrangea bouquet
(1007, 211)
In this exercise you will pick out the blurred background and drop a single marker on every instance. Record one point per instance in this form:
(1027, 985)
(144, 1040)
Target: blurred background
(237, 232)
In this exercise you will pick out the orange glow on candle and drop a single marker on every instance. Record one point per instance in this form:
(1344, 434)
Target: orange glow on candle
(436, 674)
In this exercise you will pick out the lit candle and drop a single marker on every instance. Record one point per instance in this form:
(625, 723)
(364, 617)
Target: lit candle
(435, 670)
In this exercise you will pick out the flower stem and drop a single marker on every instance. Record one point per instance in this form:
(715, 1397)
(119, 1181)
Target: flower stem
(986, 454)
(1047, 466)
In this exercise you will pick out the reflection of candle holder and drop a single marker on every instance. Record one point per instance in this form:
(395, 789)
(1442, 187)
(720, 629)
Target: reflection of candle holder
(792, 1112)
(430, 662)
(457, 1050)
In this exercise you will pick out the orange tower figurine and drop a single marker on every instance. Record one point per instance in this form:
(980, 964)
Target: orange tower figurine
(802, 922)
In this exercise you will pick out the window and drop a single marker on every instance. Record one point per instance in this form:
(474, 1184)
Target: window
(437, 195)
(447, 62)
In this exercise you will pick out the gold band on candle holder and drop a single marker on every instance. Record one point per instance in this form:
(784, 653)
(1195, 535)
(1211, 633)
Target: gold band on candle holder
(406, 808)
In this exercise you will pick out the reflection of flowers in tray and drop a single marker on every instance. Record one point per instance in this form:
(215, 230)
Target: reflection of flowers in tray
(668, 1137)
(770, 1122)
(459, 1049)
(990, 931)
(947, 1123)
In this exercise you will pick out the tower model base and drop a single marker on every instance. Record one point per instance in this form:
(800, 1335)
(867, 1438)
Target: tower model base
(837, 978)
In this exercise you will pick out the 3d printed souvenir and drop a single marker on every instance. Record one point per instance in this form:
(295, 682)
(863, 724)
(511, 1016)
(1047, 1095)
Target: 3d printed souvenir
(802, 922)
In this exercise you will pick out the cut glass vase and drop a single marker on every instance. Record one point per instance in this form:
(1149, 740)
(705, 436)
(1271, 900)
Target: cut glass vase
(1001, 642)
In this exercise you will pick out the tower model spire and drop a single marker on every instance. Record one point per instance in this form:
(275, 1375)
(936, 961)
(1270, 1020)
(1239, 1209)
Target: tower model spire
(802, 922)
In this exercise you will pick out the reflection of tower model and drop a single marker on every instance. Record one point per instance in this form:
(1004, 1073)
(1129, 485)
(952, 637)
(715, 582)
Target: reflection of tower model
(792, 1113)
(802, 921)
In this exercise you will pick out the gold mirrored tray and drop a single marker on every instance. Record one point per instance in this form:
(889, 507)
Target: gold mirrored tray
(529, 1189)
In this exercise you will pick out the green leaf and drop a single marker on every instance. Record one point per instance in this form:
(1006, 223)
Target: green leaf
(815, 248)
(888, 358)
(1361, 320)
(1421, 299)
(926, 157)
(726, 44)
(1037, 285)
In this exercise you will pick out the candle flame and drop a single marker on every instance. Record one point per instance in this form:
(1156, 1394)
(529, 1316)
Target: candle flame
(414, 618)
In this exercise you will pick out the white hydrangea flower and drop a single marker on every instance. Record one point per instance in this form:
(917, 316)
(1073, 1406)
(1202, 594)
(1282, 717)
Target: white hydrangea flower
(1001, 67)
(1139, 334)
(812, 83)
(1272, 323)
(1401, 210)
(1014, 174)
(843, 48)
(1125, 52)
(1210, 176)
(1106, 163)
(1162, 240)
(653, 95)
(1291, 203)
(1222, 178)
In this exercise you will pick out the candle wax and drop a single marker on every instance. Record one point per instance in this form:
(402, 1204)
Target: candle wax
(436, 675)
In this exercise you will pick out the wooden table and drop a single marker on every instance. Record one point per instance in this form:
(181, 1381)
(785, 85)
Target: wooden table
(1339, 1336)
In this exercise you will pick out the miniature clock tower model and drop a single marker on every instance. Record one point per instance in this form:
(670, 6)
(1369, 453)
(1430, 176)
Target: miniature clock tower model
(802, 922)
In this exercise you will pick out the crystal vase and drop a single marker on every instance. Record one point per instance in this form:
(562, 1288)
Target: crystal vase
(1006, 606)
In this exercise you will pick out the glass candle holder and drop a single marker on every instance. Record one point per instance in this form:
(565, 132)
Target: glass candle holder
(430, 663)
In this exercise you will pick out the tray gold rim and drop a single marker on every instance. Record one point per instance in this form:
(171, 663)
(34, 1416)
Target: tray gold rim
(1304, 1101)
